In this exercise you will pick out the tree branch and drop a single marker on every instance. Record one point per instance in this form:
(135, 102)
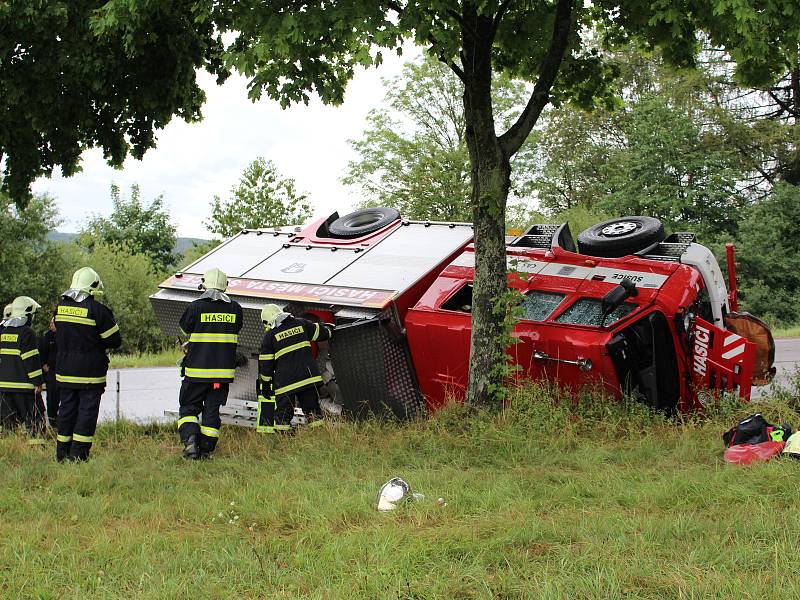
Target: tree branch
(395, 7)
(785, 106)
(512, 140)
(501, 11)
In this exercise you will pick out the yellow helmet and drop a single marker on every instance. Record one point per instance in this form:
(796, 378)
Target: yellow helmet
(214, 279)
(87, 280)
(269, 313)
(22, 306)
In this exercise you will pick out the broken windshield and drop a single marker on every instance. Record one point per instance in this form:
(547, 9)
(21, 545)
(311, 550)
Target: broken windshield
(537, 306)
(589, 311)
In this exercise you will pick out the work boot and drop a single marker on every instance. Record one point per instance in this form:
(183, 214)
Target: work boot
(62, 450)
(191, 450)
(79, 452)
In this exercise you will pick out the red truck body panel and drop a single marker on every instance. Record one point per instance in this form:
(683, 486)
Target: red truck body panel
(439, 336)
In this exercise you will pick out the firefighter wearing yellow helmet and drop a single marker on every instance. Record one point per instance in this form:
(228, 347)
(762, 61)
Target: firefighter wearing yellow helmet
(20, 367)
(212, 324)
(288, 375)
(85, 330)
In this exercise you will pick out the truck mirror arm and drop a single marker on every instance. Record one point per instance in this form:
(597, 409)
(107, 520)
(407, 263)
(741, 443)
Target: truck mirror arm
(614, 299)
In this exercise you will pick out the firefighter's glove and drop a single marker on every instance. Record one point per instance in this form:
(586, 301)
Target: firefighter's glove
(241, 359)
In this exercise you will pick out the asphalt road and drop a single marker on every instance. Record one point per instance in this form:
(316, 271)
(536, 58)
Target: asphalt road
(146, 393)
(787, 362)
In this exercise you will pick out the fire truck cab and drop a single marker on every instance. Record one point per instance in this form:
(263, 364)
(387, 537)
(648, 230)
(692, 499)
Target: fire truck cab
(629, 310)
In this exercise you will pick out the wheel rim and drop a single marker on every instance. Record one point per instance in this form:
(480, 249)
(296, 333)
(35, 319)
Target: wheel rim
(619, 228)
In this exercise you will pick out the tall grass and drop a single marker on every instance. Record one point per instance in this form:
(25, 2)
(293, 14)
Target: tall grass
(547, 499)
(786, 332)
(165, 358)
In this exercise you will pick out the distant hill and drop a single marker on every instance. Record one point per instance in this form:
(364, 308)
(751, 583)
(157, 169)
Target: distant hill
(60, 236)
(181, 244)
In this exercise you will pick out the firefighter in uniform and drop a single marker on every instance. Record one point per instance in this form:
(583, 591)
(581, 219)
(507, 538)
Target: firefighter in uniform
(85, 329)
(288, 375)
(212, 324)
(20, 367)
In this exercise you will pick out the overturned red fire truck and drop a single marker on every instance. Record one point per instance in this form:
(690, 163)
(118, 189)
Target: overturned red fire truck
(629, 309)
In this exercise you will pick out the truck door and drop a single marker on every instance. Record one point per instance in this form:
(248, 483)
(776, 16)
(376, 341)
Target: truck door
(720, 360)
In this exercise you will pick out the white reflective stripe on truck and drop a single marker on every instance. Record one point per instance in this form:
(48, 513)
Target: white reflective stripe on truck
(523, 264)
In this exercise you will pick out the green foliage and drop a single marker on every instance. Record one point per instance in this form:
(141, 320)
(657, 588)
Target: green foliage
(664, 153)
(549, 499)
(671, 169)
(768, 247)
(165, 358)
(196, 251)
(129, 279)
(145, 230)
(573, 151)
(413, 154)
(30, 265)
(262, 198)
(76, 75)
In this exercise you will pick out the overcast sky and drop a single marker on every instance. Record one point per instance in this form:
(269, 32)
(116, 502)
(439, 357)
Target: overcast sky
(194, 162)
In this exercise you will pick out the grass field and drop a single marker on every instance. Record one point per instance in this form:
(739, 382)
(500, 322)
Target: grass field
(167, 358)
(784, 332)
(543, 501)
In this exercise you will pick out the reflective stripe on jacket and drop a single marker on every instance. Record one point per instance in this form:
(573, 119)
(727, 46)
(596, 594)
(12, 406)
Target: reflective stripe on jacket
(20, 364)
(212, 328)
(285, 362)
(84, 331)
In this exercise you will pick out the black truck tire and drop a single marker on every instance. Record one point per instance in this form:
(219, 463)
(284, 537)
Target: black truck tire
(621, 236)
(363, 222)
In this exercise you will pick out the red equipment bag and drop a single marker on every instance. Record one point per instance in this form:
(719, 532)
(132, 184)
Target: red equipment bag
(747, 454)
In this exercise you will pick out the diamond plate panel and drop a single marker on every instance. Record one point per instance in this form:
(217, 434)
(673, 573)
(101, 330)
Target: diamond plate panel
(374, 372)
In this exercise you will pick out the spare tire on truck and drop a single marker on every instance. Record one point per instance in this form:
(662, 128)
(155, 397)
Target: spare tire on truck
(621, 236)
(362, 222)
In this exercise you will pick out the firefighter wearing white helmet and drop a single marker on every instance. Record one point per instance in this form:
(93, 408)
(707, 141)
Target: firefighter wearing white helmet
(20, 367)
(85, 330)
(212, 324)
(288, 375)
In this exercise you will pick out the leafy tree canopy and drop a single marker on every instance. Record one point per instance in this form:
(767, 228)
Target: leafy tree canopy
(30, 264)
(128, 278)
(413, 154)
(768, 249)
(144, 229)
(83, 74)
(262, 198)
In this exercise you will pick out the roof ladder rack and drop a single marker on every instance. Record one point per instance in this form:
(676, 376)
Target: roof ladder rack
(672, 248)
(545, 236)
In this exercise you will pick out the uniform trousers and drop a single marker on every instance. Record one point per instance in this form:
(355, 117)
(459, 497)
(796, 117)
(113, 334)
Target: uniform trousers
(77, 422)
(17, 408)
(198, 414)
(306, 398)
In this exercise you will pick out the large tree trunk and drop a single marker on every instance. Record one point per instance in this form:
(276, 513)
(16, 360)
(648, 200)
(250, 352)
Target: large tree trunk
(491, 176)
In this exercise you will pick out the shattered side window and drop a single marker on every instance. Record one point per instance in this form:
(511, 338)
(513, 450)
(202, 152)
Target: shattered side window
(537, 306)
(588, 311)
